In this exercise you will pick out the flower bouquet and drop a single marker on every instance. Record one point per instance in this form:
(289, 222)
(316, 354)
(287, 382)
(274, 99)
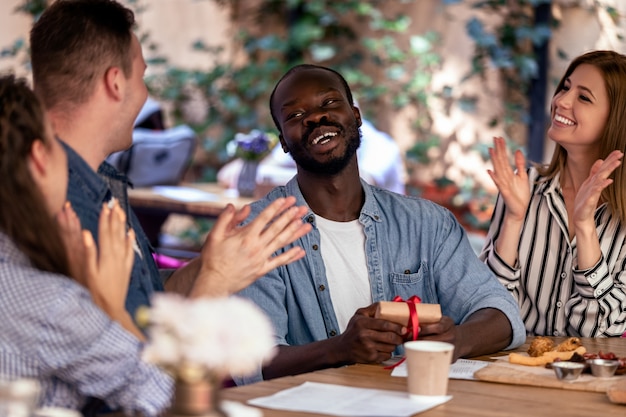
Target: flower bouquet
(251, 148)
(192, 338)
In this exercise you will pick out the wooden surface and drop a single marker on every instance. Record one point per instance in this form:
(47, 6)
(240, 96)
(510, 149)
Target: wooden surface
(145, 200)
(153, 209)
(507, 373)
(470, 398)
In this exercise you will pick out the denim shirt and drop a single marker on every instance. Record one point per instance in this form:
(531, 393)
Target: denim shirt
(87, 191)
(412, 247)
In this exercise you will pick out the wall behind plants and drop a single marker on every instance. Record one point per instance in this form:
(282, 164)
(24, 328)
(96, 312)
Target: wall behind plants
(408, 62)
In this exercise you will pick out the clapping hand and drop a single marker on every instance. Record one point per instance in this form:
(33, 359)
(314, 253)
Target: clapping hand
(72, 235)
(233, 256)
(104, 270)
(513, 186)
(588, 195)
(109, 266)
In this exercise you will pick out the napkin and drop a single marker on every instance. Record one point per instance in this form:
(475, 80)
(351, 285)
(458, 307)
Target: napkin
(461, 369)
(339, 400)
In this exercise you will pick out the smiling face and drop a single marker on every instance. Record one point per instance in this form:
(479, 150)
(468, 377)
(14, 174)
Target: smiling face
(318, 124)
(580, 110)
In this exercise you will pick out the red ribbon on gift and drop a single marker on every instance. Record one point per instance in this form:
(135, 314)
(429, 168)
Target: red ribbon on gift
(414, 323)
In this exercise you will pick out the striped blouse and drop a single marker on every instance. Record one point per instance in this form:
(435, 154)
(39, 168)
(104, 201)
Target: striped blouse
(555, 297)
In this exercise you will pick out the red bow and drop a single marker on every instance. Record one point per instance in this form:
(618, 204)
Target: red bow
(414, 323)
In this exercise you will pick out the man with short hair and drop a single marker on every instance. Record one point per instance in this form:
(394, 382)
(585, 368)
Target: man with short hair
(367, 245)
(88, 69)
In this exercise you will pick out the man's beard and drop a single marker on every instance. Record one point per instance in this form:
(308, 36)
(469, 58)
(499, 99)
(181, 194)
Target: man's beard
(336, 164)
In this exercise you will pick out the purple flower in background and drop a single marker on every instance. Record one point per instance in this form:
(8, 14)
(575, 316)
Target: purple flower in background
(252, 146)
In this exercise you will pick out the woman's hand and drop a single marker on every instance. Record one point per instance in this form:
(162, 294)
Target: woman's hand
(588, 195)
(71, 233)
(513, 186)
(109, 266)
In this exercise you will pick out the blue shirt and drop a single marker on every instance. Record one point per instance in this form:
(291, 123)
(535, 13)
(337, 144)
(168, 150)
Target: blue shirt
(51, 330)
(412, 247)
(87, 191)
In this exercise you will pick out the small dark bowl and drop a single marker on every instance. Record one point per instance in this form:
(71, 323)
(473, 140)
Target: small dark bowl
(603, 368)
(566, 370)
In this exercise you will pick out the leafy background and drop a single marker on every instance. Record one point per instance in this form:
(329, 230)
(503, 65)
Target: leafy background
(387, 63)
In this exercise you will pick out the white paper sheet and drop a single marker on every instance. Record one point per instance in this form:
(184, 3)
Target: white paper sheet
(461, 369)
(186, 194)
(339, 400)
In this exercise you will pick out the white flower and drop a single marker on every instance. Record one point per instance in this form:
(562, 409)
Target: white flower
(224, 336)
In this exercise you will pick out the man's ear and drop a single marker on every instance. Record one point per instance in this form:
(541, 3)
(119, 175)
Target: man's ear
(357, 115)
(282, 143)
(38, 160)
(114, 82)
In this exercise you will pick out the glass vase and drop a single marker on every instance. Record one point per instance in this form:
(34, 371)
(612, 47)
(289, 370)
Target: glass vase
(246, 183)
(200, 398)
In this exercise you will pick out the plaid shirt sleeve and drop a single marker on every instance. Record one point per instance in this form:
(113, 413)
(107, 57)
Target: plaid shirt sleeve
(51, 330)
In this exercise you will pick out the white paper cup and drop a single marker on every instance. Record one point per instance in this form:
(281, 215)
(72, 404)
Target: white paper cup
(428, 366)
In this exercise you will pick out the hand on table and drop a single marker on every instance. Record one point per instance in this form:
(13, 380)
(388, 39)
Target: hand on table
(233, 256)
(513, 186)
(370, 340)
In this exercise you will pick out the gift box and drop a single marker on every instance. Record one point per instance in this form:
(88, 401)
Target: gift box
(398, 312)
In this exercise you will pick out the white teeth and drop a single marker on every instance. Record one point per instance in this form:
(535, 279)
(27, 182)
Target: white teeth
(563, 120)
(326, 136)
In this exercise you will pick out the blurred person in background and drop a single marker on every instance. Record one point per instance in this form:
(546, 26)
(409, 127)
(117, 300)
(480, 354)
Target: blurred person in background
(380, 163)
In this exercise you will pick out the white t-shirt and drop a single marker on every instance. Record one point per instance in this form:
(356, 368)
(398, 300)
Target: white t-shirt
(343, 250)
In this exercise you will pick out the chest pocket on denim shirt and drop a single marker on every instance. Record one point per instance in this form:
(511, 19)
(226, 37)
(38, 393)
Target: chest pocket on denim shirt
(409, 283)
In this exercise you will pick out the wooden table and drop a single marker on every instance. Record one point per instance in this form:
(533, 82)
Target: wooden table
(152, 209)
(470, 398)
(148, 201)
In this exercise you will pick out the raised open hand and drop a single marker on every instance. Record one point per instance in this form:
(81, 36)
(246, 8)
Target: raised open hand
(513, 186)
(71, 233)
(234, 256)
(110, 264)
(588, 195)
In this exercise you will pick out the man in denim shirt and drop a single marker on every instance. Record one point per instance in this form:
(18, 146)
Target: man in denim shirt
(88, 69)
(367, 245)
